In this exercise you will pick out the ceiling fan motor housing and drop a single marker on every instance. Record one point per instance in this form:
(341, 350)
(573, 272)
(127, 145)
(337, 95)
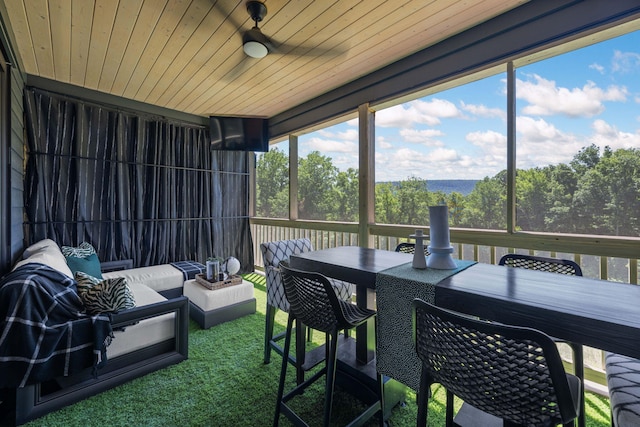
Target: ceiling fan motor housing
(257, 10)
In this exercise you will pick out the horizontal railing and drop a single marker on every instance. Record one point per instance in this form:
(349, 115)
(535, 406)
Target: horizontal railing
(600, 257)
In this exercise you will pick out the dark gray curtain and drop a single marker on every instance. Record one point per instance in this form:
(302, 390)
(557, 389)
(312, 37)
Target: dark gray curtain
(134, 186)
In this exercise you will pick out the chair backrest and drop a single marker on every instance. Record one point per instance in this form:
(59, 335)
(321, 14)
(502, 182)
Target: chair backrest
(513, 373)
(272, 254)
(552, 265)
(410, 248)
(312, 299)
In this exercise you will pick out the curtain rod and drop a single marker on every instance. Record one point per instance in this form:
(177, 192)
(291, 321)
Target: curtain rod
(115, 108)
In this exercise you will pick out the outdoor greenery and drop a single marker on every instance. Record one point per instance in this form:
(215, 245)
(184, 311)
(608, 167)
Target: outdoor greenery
(225, 383)
(595, 193)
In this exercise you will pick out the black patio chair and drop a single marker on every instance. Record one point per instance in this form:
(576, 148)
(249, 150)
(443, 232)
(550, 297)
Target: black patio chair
(410, 248)
(272, 254)
(313, 302)
(501, 372)
(560, 266)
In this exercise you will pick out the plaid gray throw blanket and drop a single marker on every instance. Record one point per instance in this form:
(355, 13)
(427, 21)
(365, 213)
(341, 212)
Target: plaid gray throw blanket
(43, 330)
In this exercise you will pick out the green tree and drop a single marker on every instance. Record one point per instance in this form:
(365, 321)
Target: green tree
(316, 180)
(586, 159)
(589, 203)
(564, 181)
(532, 202)
(414, 201)
(387, 204)
(272, 184)
(486, 204)
(456, 204)
(346, 194)
(608, 196)
(622, 175)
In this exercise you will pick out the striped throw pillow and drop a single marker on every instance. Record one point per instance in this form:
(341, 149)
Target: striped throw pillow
(83, 250)
(104, 296)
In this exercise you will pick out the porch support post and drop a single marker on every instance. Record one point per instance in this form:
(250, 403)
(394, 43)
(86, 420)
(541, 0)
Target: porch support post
(366, 174)
(251, 159)
(511, 148)
(293, 177)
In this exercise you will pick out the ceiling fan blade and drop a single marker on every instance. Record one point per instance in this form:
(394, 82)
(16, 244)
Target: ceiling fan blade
(306, 50)
(228, 15)
(238, 70)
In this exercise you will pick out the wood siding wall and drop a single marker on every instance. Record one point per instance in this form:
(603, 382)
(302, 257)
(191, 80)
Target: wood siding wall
(17, 164)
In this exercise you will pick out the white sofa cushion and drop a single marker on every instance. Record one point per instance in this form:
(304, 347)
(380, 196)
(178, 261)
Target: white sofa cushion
(48, 253)
(146, 332)
(158, 277)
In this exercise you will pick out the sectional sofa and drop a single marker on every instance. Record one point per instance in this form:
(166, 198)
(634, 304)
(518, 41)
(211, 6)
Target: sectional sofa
(148, 337)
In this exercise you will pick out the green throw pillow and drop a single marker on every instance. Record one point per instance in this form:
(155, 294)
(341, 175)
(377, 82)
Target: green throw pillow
(89, 265)
(83, 258)
(104, 296)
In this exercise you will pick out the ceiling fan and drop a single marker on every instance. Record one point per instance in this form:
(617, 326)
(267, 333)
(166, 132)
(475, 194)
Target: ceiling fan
(254, 43)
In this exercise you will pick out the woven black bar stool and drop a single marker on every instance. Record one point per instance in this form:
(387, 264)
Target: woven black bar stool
(272, 254)
(560, 266)
(410, 248)
(506, 374)
(314, 303)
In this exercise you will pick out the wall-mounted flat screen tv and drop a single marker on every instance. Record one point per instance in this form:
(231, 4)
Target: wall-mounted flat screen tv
(239, 133)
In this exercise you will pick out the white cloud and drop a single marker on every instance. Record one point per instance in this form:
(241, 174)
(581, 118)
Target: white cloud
(383, 143)
(399, 164)
(547, 99)
(541, 143)
(483, 111)
(443, 155)
(344, 162)
(417, 112)
(492, 157)
(347, 135)
(537, 130)
(606, 134)
(424, 136)
(440, 163)
(493, 144)
(327, 146)
(625, 62)
(599, 68)
(436, 107)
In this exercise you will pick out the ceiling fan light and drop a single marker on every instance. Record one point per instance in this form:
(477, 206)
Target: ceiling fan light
(255, 49)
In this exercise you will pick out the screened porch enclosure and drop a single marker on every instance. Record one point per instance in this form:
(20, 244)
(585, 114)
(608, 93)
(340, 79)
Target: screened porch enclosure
(552, 152)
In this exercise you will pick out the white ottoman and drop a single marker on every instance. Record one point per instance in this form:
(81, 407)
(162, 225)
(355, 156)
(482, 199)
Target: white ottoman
(211, 307)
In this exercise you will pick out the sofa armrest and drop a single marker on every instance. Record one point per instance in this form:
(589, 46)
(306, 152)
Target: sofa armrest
(179, 306)
(34, 400)
(121, 264)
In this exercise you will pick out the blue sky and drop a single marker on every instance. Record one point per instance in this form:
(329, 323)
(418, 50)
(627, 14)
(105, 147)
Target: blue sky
(564, 103)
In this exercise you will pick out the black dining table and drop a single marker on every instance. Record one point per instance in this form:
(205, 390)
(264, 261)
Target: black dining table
(595, 313)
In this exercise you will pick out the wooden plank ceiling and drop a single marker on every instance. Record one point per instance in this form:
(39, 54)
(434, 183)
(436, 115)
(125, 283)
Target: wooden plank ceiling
(187, 54)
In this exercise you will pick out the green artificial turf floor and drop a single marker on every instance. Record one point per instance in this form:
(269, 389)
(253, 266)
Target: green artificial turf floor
(225, 383)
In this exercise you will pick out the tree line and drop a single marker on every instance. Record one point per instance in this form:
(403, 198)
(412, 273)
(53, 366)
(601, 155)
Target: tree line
(597, 192)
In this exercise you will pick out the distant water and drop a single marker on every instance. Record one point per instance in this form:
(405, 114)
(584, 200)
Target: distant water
(462, 186)
(447, 186)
